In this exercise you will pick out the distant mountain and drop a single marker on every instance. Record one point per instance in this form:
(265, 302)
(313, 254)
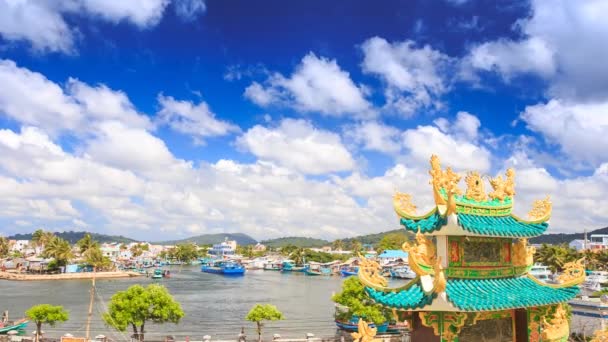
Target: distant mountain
(73, 237)
(371, 239)
(556, 239)
(209, 239)
(296, 241)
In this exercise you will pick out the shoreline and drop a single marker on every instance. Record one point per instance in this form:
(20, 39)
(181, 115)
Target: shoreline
(66, 276)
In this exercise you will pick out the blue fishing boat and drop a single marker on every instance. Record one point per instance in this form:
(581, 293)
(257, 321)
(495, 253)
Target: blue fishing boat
(350, 271)
(289, 267)
(10, 326)
(158, 274)
(352, 325)
(224, 267)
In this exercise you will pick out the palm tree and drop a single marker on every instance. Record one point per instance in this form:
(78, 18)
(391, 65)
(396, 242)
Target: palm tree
(4, 247)
(356, 246)
(86, 243)
(41, 238)
(338, 245)
(136, 250)
(298, 255)
(59, 249)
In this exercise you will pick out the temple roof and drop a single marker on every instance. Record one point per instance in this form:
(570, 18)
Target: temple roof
(479, 295)
(500, 226)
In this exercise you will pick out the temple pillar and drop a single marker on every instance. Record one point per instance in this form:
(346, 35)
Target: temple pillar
(421, 333)
(521, 325)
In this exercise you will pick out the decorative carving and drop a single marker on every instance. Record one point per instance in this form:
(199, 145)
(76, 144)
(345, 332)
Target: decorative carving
(541, 209)
(484, 315)
(403, 202)
(534, 325)
(523, 255)
(370, 273)
(475, 187)
(446, 180)
(446, 325)
(439, 281)
(503, 188)
(423, 250)
(600, 336)
(574, 272)
(365, 333)
(557, 327)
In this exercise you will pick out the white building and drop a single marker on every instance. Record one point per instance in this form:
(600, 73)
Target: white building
(579, 244)
(228, 247)
(598, 241)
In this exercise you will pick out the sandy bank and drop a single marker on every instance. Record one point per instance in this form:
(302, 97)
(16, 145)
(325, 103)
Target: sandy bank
(67, 276)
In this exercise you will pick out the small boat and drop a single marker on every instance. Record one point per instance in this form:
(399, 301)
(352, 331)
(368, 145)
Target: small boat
(595, 280)
(541, 272)
(349, 271)
(274, 266)
(403, 272)
(289, 267)
(352, 326)
(318, 270)
(10, 326)
(224, 267)
(167, 274)
(158, 274)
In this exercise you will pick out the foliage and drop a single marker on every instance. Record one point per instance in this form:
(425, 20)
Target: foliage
(136, 250)
(263, 312)
(94, 257)
(392, 241)
(555, 256)
(355, 299)
(40, 238)
(4, 247)
(356, 247)
(73, 237)
(323, 257)
(137, 305)
(46, 314)
(246, 251)
(86, 243)
(295, 241)
(58, 249)
(337, 245)
(298, 255)
(186, 252)
(371, 239)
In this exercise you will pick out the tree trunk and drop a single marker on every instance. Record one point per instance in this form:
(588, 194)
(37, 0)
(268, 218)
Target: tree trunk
(259, 331)
(91, 300)
(135, 333)
(141, 332)
(38, 330)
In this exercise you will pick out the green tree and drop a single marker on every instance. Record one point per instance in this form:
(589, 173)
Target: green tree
(263, 312)
(47, 314)
(357, 302)
(186, 252)
(86, 243)
(136, 250)
(41, 238)
(137, 305)
(391, 241)
(555, 256)
(60, 250)
(4, 247)
(337, 245)
(356, 246)
(298, 255)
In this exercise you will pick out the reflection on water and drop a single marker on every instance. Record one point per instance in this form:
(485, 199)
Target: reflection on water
(214, 305)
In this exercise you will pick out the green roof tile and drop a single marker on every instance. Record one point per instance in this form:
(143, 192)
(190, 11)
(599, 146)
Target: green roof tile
(505, 226)
(410, 298)
(504, 293)
(479, 295)
(427, 225)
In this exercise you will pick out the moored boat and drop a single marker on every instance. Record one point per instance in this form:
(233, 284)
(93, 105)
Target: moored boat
(158, 274)
(402, 272)
(352, 326)
(349, 271)
(224, 267)
(541, 272)
(13, 326)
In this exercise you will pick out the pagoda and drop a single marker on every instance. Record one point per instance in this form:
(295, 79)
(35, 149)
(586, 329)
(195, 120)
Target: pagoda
(472, 262)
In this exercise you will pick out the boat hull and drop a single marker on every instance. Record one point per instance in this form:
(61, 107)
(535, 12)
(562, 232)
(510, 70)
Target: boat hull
(21, 325)
(352, 327)
(224, 271)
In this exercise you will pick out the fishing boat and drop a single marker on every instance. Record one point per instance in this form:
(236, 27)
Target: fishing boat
(158, 274)
(595, 280)
(289, 267)
(352, 325)
(318, 270)
(16, 325)
(224, 267)
(272, 266)
(541, 272)
(402, 272)
(349, 271)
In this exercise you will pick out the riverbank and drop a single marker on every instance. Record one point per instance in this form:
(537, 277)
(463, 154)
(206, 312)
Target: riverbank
(67, 276)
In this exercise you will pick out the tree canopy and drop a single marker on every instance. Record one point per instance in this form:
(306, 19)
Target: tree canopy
(58, 249)
(137, 305)
(186, 252)
(355, 299)
(4, 247)
(263, 312)
(86, 243)
(392, 241)
(46, 314)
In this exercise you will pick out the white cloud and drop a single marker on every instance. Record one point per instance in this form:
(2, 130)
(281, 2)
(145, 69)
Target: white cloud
(455, 150)
(189, 10)
(581, 130)
(563, 41)
(298, 145)
(412, 75)
(317, 85)
(197, 120)
(375, 136)
(42, 23)
(465, 126)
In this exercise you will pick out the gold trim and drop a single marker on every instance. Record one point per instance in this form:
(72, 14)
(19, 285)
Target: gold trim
(574, 274)
(402, 203)
(541, 212)
(475, 187)
(557, 327)
(365, 333)
(369, 275)
(503, 188)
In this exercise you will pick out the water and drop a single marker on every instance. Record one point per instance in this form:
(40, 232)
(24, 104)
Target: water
(214, 305)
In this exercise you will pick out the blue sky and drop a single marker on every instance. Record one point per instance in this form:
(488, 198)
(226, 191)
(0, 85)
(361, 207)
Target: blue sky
(160, 118)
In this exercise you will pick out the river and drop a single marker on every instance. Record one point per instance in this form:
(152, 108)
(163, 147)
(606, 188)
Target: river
(214, 305)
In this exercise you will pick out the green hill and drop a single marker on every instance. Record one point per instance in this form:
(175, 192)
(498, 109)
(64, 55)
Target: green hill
(371, 239)
(556, 239)
(210, 239)
(73, 237)
(295, 241)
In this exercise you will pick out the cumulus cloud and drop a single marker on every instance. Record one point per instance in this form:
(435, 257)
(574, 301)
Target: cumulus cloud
(298, 145)
(194, 119)
(375, 136)
(412, 75)
(465, 126)
(42, 23)
(581, 130)
(558, 40)
(317, 85)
